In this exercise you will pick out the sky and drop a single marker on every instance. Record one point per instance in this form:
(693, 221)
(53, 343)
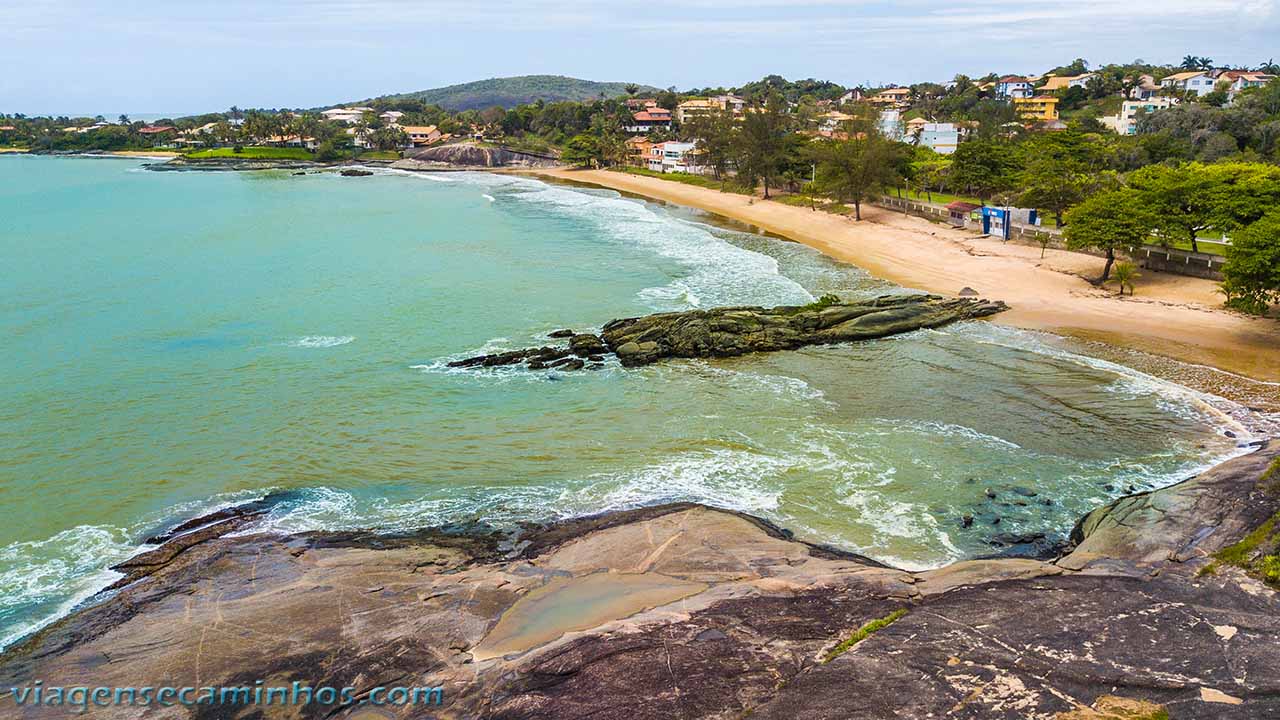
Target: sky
(88, 57)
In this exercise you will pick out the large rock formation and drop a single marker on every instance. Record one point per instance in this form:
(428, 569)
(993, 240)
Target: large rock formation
(469, 155)
(730, 331)
(683, 611)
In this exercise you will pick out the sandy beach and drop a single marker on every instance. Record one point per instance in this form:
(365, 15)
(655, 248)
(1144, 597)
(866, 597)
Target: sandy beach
(1171, 315)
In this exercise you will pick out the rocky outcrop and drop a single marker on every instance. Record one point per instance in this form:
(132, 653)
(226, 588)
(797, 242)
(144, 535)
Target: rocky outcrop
(683, 611)
(469, 155)
(730, 331)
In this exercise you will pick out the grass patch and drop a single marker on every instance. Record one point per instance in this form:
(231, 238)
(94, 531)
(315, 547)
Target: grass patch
(379, 155)
(1257, 553)
(254, 152)
(863, 633)
(822, 204)
(689, 179)
(822, 302)
(938, 198)
(1271, 478)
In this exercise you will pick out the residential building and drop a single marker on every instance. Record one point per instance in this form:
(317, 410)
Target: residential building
(634, 104)
(422, 134)
(1041, 108)
(942, 138)
(350, 115)
(1199, 82)
(894, 97)
(1013, 86)
(638, 149)
(159, 134)
(732, 103)
(1146, 88)
(696, 107)
(391, 117)
(1126, 123)
(1063, 82)
(646, 121)
(309, 143)
(832, 121)
(854, 95)
(674, 156)
(891, 124)
(1241, 80)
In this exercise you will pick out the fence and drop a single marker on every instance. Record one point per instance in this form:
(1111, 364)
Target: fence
(1151, 257)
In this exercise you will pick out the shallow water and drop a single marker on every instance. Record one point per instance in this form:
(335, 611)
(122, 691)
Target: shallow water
(177, 341)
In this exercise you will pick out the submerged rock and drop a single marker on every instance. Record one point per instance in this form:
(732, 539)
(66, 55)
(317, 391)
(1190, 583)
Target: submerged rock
(354, 172)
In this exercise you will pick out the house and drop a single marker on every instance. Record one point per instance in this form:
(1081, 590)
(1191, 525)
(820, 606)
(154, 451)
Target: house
(942, 138)
(854, 95)
(1126, 122)
(1199, 82)
(891, 124)
(673, 156)
(638, 149)
(1013, 86)
(391, 117)
(645, 121)
(350, 116)
(1146, 88)
(1243, 80)
(732, 103)
(634, 104)
(1041, 108)
(422, 134)
(697, 107)
(1062, 82)
(832, 121)
(159, 134)
(309, 143)
(893, 97)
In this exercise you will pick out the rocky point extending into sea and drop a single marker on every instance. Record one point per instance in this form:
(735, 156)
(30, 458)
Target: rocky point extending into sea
(687, 611)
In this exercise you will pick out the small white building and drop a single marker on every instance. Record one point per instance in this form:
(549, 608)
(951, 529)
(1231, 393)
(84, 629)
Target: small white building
(673, 156)
(348, 115)
(1126, 123)
(391, 117)
(942, 138)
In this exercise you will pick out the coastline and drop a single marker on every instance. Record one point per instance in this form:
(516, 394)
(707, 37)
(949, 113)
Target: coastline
(1172, 316)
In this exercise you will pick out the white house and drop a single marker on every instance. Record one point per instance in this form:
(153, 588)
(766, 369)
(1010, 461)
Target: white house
(673, 157)
(350, 116)
(1014, 86)
(891, 124)
(943, 138)
(1146, 88)
(1199, 82)
(1126, 123)
(391, 117)
(1241, 81)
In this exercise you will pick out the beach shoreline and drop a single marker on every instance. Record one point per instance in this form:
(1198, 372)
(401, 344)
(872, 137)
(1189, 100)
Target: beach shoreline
(1171, 315)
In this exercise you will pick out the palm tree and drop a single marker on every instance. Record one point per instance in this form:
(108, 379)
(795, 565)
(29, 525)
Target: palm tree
(1124, 274)
(1269, 67)
(124, 119)
(631, 88)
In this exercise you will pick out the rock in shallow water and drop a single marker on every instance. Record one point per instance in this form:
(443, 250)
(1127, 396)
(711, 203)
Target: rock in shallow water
(730, 331)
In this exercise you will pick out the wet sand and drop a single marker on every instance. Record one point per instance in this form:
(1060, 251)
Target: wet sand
(1171, 315)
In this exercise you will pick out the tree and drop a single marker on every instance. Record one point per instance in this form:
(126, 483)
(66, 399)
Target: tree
(631, 88)
(1109, 221)
(582, 150)
(857, 169)
(761, 144)
(1124, 275)
(1252, 272)
(1185, 199)
(981, 167)
(124, 119)
(713, 134)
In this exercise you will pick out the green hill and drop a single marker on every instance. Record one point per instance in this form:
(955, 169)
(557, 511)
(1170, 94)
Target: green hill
(512, 91)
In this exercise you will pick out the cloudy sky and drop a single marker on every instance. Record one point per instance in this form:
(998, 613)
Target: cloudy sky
(184, 56)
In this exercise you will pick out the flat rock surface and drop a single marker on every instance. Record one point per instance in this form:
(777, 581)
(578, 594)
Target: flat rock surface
(683, 611)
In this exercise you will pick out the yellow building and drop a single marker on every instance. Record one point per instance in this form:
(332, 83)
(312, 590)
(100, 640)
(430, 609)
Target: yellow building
(1041, 108)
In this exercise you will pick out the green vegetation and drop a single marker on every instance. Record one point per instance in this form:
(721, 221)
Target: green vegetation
(254, 153)
(688, 179)
(514, 91)
(863, 633)
(1258, 553)
(1111, 221)
(1124, 275)
(1252, 273)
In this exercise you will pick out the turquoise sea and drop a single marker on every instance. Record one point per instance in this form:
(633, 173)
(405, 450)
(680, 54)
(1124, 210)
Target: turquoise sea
(174, 342)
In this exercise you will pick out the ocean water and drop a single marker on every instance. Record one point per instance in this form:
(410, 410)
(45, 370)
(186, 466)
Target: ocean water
(175, 342)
